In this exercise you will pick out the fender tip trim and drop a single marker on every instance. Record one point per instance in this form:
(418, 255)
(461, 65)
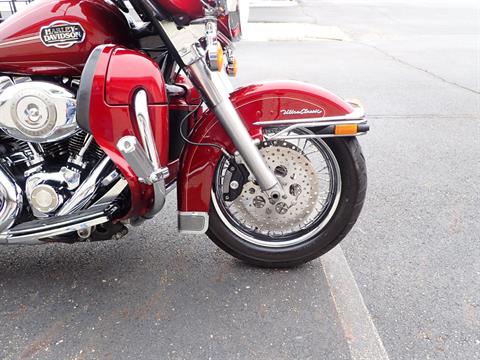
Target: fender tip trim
(192, 222)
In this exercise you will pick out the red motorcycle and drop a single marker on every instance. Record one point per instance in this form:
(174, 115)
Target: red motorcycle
(102, 116)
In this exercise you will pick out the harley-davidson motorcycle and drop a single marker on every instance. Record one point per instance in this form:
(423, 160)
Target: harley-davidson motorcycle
(102, 116)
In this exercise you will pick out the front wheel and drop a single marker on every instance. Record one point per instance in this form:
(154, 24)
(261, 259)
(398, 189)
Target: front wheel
(324, 182)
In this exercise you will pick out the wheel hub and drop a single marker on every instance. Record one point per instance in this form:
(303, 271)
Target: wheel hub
(295, 209)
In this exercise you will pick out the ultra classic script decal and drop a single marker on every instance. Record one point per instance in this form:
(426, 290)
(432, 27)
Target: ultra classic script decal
(302, 112)
(62, 34)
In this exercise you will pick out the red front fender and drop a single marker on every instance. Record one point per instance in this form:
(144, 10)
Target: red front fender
(259, 102)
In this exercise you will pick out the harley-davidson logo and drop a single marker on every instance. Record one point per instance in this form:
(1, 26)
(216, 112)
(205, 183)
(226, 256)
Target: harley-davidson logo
(302, 111)
(62, 34)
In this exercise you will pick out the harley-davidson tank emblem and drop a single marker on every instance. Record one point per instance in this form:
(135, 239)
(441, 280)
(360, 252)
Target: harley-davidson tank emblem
(302, 111)
(62, 34)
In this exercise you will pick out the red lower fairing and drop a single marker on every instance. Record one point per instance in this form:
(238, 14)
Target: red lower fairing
(110, 79)
(272, 101)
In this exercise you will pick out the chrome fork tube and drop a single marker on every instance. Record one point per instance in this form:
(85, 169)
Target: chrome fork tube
(219, 102)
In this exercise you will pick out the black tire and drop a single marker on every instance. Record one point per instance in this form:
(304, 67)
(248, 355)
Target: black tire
(354, 184)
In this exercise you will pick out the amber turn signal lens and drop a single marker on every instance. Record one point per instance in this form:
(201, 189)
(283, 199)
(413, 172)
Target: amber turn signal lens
(346, 129)
(219, 56)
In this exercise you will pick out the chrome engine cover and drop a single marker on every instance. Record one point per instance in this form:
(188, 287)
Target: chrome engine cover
(36, 111)
(11, 200)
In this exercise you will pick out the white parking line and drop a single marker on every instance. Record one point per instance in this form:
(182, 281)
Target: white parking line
(360, 331)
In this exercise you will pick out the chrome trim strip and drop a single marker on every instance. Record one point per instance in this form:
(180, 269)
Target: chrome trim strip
(307, 125)
(310, 136)
(358, 114)
(192, 222)
(12, 42)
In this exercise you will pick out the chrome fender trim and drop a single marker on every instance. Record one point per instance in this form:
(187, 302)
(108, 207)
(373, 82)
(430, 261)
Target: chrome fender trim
(192, 222)
(325, 127)
(357, 115)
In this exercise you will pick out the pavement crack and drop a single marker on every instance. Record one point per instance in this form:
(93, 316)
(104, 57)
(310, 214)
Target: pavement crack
(406, 63)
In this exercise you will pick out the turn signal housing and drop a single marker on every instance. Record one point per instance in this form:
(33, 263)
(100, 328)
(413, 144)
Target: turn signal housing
(215, 57)
(232, 68)
(232, 65)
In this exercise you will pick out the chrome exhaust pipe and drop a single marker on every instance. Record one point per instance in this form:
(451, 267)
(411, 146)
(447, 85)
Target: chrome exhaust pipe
(39, 231)
(11, 200)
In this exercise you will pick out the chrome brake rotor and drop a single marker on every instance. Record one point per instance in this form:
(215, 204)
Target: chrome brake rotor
(301, 203)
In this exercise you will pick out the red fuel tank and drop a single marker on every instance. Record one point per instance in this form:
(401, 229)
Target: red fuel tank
(51, 37)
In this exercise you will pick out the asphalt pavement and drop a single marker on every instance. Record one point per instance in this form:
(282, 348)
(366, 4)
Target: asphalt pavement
(414, 254)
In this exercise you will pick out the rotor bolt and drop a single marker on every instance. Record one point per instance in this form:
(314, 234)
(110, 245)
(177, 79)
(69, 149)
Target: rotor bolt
(295, 189)
(259, 202)
(281, 171)
(281, 208)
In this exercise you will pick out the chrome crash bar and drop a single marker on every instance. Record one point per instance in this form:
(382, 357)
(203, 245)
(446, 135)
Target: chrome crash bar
(143, 159)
